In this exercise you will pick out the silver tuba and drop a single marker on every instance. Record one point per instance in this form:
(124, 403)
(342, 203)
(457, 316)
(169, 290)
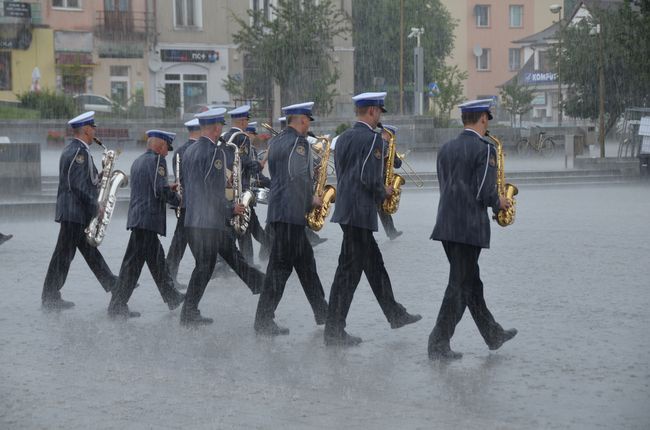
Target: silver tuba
(111, 181)
(239, 222)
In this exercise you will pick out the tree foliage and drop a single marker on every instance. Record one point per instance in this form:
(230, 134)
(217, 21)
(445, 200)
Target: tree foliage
(293, 49)
(49, 103)
(376, 36)
(617, 38)
(516, 100)
(450, 84)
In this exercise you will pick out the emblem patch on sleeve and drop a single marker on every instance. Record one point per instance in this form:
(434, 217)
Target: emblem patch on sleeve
(300, 150)
(218, 164)
(377, 154)
(161, 171)
(80, 159)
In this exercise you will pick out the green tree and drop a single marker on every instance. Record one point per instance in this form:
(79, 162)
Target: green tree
(376, 36)
(293, 49)
(619, 39)
(516, 100)
(450, 85)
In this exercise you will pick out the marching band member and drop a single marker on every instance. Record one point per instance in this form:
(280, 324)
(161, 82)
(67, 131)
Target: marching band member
(250, 166)
(291, 198)
(466, 168)
(179, 241)
(207, 215)
(150, 192)
(360, 188)
(76, 205)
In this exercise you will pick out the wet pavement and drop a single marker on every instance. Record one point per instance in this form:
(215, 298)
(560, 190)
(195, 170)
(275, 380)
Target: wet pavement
(572, 274)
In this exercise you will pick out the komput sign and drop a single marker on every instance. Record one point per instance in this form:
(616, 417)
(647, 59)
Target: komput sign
(539, 77)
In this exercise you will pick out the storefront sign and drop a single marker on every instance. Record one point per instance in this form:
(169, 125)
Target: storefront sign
(16, 9)
(539, 77)
(188, 56)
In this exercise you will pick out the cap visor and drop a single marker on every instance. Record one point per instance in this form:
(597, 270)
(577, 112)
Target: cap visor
(383, 109)
(311, 118)
(490, 117)
(170, 147)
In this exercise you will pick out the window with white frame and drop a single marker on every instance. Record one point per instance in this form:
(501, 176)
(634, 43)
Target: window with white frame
(483, 61)
(516, 16)
(188, 13)
(514, 59)
(67, 4)
(482, 13)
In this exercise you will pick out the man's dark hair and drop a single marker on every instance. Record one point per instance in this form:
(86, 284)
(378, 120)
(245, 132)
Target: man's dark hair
(470, 118)
(292, 118)
(361, 110)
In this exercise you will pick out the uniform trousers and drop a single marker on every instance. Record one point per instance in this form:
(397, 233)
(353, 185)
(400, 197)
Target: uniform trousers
(359, 254)
(464, 290)
(290, 249)
(71, 238)
(205, 244)
(144, 247)
(177, 247)
(255, 230)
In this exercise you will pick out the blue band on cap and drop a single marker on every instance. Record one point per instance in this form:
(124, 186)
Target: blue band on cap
(167, 138)
(208, 121)
(240, 115)
(90, 121)
(298, 112)
(366, 102)
(476, 109)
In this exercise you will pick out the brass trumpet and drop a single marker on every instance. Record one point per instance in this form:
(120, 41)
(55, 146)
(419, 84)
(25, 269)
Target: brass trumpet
(270, 128)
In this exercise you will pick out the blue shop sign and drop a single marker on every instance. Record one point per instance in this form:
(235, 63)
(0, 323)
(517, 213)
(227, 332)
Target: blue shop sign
(539, 77)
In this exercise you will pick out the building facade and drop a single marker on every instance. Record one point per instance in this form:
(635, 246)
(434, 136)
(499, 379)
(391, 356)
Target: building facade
(485, 35)
(26, 50)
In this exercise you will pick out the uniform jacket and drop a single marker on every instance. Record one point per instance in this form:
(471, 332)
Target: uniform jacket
(249, 164)
(467, 176)
(359, 162)
(290, 167)
(149, 193)
(76, 198)
(179, 152)
(204, 165)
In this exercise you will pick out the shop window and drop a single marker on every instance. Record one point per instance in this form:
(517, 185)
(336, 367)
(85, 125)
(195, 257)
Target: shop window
(5, 71)
(67, 4)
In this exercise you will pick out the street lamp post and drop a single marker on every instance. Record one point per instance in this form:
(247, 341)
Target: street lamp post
(556, 8)
(418, 71)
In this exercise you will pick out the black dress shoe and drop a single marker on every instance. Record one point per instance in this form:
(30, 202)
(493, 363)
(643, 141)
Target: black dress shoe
(405, 319)
(194, 318)
(437, 352)
(341, 339)
(395, 235)
(270, 328)
(57, 304)
(176, 301)
(505, 336)
(122, 312)
(5, 237)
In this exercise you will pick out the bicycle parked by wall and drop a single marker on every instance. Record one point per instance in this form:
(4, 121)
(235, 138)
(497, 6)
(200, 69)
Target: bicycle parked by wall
(543, 145)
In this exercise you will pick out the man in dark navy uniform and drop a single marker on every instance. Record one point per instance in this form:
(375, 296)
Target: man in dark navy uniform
(360, 188)
(76, 205)
(179, 241)
(387, 219)
(466, 169)
(207, 216)
(291, 198)
(150, 193)
(250, 167)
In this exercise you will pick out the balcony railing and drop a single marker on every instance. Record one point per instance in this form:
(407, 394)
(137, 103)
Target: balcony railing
(124, 25)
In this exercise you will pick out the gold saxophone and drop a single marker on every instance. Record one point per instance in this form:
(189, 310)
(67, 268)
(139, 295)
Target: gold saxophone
(111, 182)
(327, 193)
(504, 217)
(392, 179)
(246, 198)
